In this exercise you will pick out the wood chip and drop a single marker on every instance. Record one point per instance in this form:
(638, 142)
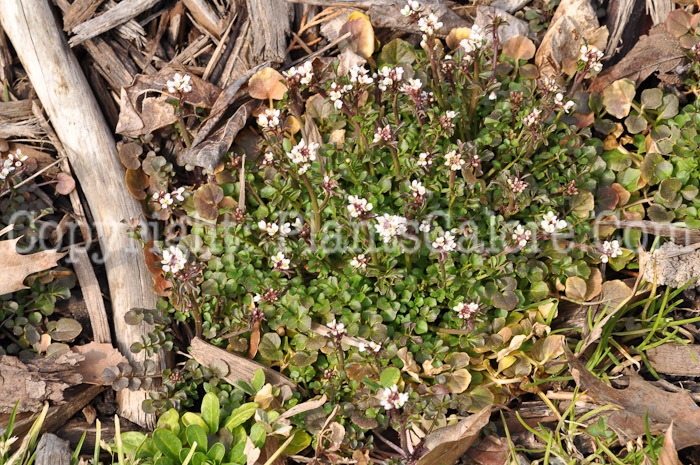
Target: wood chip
(120, 14)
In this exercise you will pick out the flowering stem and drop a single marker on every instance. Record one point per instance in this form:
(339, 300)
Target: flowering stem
(341, 355)
(316, 224)
(397, 163)
(373, 253)
(183, 130)
(444, 273)
(196, 315)
(579, 80)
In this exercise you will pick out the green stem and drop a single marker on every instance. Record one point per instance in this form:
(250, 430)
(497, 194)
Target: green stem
(373, 253)
(183, 130)
(316, 224)
(397, 163)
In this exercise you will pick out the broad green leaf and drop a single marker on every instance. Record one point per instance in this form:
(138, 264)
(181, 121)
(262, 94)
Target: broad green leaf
(396, 52)
(389, 377)
(196, 433)
(170, 420)
(217, 452)
(301, 441)
(258, 435)
(132, 440)
(191, 418)
(258, 380)
(167, 443)
(210, 412)
(240, 415)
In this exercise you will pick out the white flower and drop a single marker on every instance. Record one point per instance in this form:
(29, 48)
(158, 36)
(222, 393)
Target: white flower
(532, 118)
(493, 96)
(423, 159)
(303, 155)
(179, 83)
(429, 24)
(521, 236)
(337, 328)
(568, 106)
(360, 75)
(475, 40)
(453, 160)
(466, 310)
(451, 114)
(383, 134)
(611, 249)
(285, 229)
(336, 95)
(559, 101)
(424, 226)
(280, 262)
(257, 298)
(358, 206)
(445, 243)
(550, 84)
(390, 226)
(303, 74)
(389, 76)
(173, 260)
(269, 119)
(359, 262)
(177, 194)
(412, 86)
(417, 189)
(551, 224)
(13, 161)
(411, 8)
(517, 185)
(270, 228)
(269, 158)
(298, 223)
(592, 56)
(391, 398)
(372, 345)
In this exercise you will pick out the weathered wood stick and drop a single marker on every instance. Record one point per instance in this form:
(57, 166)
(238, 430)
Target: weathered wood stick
(205, 16)
(66, 96)
(680, 235)
(52, 450)
(112, 18)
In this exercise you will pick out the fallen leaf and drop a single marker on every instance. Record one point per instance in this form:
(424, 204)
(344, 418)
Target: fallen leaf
(267, 84)
(362, 40)
(90, 414)
(668, 455)
(129, 155)
(16, 267)
(519, 48)
(206, 201)
(657, 52)
(137, 182)
(675, 359)
(303, 407)
(97, 357)
(638, 400)
(618, 97)
(576, 288)
(510, 26)
(491, 450)
(448, 444)
(457, 35)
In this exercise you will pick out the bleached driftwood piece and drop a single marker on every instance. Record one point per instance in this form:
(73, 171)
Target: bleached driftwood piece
(52, 450)
(110, 19)
(270, 25)
(204, 15)
(66, 96)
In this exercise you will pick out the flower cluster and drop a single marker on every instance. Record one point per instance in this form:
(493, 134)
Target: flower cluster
(533, 118)
(521, 236)
(166, 199)
(360, 75)
(336, 94)
(180, 83)
(269, 119)
(390, 226)
(412, 9)
(303, 74)
(359, 262)
(454, 160)
(475, 40)
(373, 346)
(591, 56)
(302, 155)
(280, 262)
(174, 260)
(337, 328)
(388, 77)
(12, 163)
(417, 190)
(429, 25)
(424, 159)
(273, 228)
(445, 243)
(465, 311)
(383, 134)
(358, 206)
(391, 398)
(611, 249)
(551, 224)
(559, 101)
(516, 185)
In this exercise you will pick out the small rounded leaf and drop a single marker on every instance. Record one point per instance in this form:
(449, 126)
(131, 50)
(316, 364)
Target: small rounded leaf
(519, 48)
(618, 96)
(362, 40)
(207, 199)
(266, 84)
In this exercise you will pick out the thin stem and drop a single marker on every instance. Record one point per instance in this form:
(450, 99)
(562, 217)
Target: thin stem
(373, 253)
(316, 224)
(183, 130)
(397, 163)
(197, 316)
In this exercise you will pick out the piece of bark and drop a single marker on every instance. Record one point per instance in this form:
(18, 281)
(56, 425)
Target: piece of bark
(52, 450)
(73, 430)
(271, 25)
(57, 415)
(116, 16)
(5, 59)
(36, 381)
(675, 359)
(17, 120)
(79, 12)
(240, 368)
(105, 98)
(65, 95)
(205, 16)
(658, 52)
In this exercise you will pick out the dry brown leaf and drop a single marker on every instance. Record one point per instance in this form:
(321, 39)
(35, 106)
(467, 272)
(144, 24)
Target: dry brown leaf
(457, 35)
(267, 84)
(618, 97)
(492, 450)
(675, 359)
(16, 267)
(303, 407)
(362, 40)
(594, 284)
(641, 398)
(90, 414)
(97, 357)
(65, 184)
(658, 52)
(576, 288)
(519, 48)
(447, 445)
(668, 455)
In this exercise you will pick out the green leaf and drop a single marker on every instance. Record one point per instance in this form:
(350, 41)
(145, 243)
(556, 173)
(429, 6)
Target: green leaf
(258, 435)
(258, 380)
(167, 443)
(269, 347)
(301, 441)
(132, 440)
(191, 418)
(170, 420)
(618, 96)
(196, 433)
(65, 330)
(389, 377)
(240, 415)
(652, 98)
(210, 412)
(396, 52)
(217, 452)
